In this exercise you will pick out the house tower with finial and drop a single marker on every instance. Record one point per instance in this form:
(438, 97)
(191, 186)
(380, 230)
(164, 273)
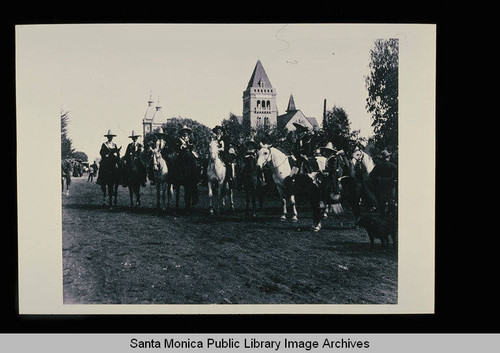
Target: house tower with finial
(154, 117)
(259, 100)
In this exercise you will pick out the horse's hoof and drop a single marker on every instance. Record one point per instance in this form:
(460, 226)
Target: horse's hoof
(295, 219)
(283, 218)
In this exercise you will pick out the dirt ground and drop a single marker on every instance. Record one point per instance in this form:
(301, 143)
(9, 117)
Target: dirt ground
(137, 256)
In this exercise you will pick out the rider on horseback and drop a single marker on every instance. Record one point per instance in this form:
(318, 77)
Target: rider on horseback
(133, 159)
(108, 150)
(302, 151)
(384, 176)
(158, 143)
(251, 152)
(186, 160)
(183, 143)
(226, 153)
(331, 172)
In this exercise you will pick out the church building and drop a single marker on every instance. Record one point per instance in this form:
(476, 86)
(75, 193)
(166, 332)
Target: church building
(154, 117)
(294, 115)
(259, 100)
(260, 109)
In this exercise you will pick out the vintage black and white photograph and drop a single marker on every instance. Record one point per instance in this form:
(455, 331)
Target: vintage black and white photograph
(236, 165)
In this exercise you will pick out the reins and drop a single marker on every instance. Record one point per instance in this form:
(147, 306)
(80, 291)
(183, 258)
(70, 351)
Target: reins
(269, 156)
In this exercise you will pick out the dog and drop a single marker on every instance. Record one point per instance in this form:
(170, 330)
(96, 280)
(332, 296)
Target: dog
(381, 228)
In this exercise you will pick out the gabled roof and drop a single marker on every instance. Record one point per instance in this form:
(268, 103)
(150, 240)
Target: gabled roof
(259, 75)
(313, 122)
(282, 120)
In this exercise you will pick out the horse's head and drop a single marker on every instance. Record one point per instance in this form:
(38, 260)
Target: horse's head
(264, 155)
(357, 156)
(213, 150)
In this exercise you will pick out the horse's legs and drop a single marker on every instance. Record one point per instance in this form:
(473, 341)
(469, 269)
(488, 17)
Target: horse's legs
(258, 191)
(188, 197)
(103, 189)
(114, 188)
(158, 194)
(170, 190)
(131, 193)
(253, 202)
(163, 195)
(294, 208)
(137, 189)
(231, 199)
(177, 190)
(210, 197)
(316, 206)
(110, 196)
(218, 198)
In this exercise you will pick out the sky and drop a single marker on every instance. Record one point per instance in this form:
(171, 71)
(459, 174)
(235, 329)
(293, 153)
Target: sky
(102, 75)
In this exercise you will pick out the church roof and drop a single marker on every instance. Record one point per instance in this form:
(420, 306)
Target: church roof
(291, 105)
(259, 75)
(313, 122)
(284, 119)
(158, 116)
(150, 111)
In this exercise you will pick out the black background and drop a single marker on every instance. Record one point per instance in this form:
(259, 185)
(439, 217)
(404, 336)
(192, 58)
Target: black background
(466, 296)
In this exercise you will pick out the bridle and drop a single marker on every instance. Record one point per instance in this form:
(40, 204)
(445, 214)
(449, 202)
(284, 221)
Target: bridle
(269, 158)
(360, 158)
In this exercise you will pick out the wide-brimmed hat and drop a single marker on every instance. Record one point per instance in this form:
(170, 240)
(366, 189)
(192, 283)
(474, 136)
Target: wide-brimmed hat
(384, 154)
(160, 134)
(217, 127)
(185, 128)
(134, 135)
(251, 143)
(300, 127)
(328, 147)
(109, 133)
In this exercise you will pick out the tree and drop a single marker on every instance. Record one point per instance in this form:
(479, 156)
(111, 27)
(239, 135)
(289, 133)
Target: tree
(82, 156)
(67, 149)
(239, 133)
(382, 85)
(337, 130)
(201, 134)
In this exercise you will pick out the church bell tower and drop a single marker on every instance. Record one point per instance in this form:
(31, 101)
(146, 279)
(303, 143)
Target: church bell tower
(259, 100)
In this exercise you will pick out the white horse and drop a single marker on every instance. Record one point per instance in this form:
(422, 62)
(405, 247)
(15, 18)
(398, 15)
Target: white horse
(281, 169)
(160, 175)
(359, 156)
(216, 179)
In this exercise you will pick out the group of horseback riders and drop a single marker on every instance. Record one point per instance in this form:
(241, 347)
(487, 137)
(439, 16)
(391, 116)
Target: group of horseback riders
(303, 159)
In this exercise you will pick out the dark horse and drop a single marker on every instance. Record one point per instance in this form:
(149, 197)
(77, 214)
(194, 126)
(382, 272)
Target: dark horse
(351, 188)
(110, 175)
(251, 176)
(185, 173)
(306, 187)
(132, 178)
(339, 188)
